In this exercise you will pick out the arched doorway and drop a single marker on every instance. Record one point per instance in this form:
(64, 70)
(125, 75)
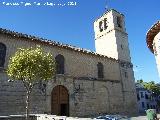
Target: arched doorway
(60, 101)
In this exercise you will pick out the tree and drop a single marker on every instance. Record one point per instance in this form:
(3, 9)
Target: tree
(30, 66)
(155, 88)
(140, 81)
(152, 87)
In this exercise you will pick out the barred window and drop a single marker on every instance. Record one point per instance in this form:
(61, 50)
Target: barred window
(100, 70)
(59, 64)
(2, 54)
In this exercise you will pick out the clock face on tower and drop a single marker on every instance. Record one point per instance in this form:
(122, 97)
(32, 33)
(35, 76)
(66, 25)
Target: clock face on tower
(103, 25)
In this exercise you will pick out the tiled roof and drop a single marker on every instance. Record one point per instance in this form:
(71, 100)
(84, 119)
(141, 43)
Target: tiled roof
(54, 43)
(152, 32)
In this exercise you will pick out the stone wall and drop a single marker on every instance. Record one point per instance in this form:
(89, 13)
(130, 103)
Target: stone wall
(86, 65)
(88, 95)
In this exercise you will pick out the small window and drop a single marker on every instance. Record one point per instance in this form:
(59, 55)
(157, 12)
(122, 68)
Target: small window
(2, 54)
(101, 26)
(105, 23)
(121, 46)
(146, 96)
(142, 96)
(143, 106)
(154, 107)
(119, 22)
(126, 74)
(100, 70)
(59, 64)
(138, 98)
(147, 106)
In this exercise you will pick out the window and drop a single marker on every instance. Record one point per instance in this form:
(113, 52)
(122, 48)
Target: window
(147, 106)
(126, 74)
(119, 22)
(154, 107)
(121, 46)
(100, 70)
(2, 54)
(105, 23)
(146, 96)
(143, 105)
(101, 26)
(138, 98)
(59, 64)
(142, 96)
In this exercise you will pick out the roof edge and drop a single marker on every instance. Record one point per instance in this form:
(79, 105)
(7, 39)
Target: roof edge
(53, 43)
(151, 33)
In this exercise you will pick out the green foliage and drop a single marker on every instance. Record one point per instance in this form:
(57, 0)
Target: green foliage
(140, 81)
(30, 65)
(155, 88)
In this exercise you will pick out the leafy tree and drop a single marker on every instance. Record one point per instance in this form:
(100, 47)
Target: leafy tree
(140, 81)
(30, 66)
(153, 87)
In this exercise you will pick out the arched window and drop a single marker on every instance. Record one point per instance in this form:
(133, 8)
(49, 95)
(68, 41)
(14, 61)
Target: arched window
(100, 70)
(2, 54)
(59, 64)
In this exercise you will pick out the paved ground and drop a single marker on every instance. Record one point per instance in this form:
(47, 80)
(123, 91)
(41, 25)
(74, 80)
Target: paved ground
(143, 117)
(139, 118)
(50, 117)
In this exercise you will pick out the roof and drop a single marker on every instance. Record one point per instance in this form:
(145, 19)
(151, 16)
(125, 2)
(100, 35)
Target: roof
(152, 32)
(53, 43)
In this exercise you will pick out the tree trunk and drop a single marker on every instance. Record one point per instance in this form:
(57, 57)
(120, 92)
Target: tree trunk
(27, 104)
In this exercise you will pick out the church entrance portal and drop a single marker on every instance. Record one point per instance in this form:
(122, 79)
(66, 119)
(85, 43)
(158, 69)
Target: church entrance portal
(60, 101)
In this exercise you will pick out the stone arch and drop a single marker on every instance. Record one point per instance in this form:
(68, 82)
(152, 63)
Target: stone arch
(60, 101)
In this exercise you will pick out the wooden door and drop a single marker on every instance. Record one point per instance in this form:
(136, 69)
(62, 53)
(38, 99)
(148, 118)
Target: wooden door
(60, 101)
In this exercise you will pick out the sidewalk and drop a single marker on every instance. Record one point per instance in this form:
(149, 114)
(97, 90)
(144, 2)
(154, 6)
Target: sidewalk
(143, 117)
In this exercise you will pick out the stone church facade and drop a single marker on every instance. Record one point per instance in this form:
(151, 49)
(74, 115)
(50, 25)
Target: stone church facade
(87, 83)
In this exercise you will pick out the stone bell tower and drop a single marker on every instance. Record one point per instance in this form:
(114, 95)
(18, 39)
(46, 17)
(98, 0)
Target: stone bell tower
(111, 38)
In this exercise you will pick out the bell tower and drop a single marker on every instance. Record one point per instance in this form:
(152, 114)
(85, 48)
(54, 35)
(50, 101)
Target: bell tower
(111, 38)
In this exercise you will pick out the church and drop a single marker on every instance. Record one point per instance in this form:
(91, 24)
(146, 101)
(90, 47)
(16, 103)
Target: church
(87, 83)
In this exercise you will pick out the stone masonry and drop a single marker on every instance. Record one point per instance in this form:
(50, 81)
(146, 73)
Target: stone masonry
(88, 94)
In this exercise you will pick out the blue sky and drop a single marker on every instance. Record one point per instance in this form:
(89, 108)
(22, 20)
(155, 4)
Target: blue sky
(73, 24)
